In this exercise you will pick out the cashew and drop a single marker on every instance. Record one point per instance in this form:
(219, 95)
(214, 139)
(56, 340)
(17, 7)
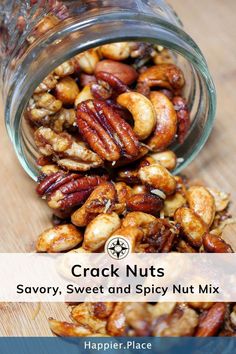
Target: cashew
(163, 75)
(84, 95)
(67, 90)
(222, 199)
(202, 202)
(166, 126)
(116, 51)
(158, 177)
(87, 60)
(132, 234)
(65, 329)
(142, 111)
(172, 203)
(167, 158)
(58, 239)
(192, 225)
(101, 200)
(99, 230)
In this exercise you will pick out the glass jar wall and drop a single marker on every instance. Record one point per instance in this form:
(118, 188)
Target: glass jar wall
(28, 55)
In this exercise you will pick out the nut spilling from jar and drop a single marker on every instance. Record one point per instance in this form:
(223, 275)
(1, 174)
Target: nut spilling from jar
(103, 123)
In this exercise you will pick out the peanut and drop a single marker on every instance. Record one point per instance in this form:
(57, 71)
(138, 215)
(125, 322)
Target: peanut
(116, 51)
(67, 90)
(202, 202)
(167, 158)
(191, 224)
(99, 230)
(58, 239)
(158, 177)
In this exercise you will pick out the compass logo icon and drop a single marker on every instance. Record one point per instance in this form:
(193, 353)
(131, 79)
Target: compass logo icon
(118, 247)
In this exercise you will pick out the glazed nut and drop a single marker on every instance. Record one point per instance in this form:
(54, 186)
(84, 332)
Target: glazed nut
(142, 111)
(200, 305)
(183, 117)
(49, 83)
(163, 75)
(180, 323)
(167, 158)
(65, 329)
(64, 191)
(158, 177)
(126, 73)
(139, 189)
(84, 95)
(166, 126)
(58, 239)
(191, 224)
(44, 104)
(202, 203)
(67, 90)
(88, 60)
(139, 220)
(145, 202)
(116, 51)
(85, 315)
(49, 169)
(68, 153)
(99, 230)
(215, 244)
(212, 321)
(172, 203)
(222, 199)
(65, 69)
(116, 324)
(124, 192)
(109, 135)
(102, 200)
(132, 234)
(64, 119)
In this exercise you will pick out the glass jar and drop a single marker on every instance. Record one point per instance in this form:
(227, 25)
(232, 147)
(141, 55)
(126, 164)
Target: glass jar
(85, 24)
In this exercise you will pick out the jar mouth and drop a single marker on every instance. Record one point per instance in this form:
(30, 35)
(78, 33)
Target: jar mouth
(75, 37)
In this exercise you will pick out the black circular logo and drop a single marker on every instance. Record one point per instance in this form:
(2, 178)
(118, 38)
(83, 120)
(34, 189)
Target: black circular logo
(118, 247)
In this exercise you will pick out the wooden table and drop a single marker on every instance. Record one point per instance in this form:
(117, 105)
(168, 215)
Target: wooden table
(23, 216)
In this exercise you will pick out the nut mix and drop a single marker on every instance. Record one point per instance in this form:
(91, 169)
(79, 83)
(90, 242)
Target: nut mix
(103, 123)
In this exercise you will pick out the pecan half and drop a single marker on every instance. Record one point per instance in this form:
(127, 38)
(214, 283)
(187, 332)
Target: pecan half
(105, 131)
(67, 190)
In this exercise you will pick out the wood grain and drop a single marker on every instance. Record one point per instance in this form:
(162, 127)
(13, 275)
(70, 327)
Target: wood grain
(23, 216)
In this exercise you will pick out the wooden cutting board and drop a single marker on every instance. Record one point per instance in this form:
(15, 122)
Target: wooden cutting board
(23, 216)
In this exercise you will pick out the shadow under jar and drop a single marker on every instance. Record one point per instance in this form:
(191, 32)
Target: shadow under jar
(83, 25)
